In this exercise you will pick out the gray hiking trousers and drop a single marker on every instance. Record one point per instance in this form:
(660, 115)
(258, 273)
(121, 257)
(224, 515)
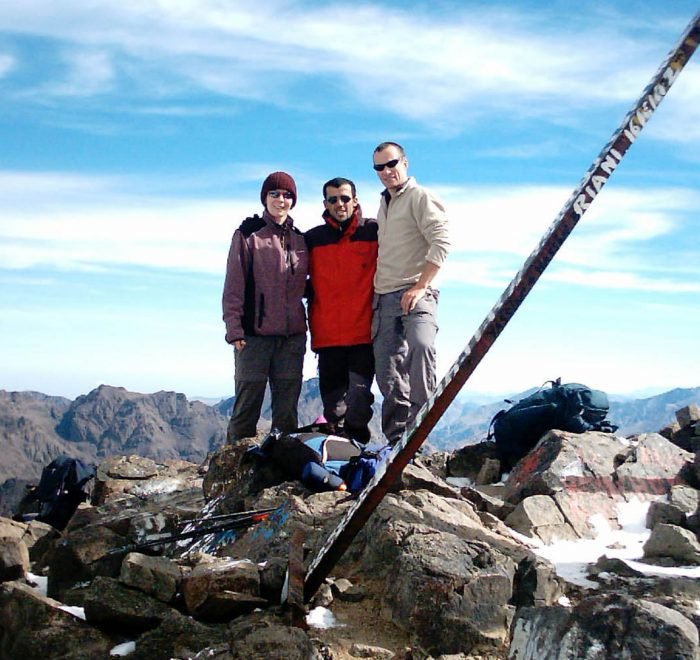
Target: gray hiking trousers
(404, 355)
(279, 360)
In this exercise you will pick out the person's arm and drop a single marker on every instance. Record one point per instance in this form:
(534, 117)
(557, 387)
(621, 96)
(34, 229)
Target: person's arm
(234, 290)
(433, 225)
(411, 296)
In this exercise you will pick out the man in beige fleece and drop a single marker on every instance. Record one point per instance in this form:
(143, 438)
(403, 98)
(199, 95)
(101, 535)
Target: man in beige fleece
(413, 245)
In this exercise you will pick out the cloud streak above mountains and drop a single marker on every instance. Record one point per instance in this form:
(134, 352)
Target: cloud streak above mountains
(79, 215)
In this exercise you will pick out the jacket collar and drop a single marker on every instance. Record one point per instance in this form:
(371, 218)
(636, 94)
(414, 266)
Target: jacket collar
(347, 228)
(409, 183)
(287, 224)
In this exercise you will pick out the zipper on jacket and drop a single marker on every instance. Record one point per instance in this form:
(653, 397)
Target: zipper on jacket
(261, 310)
(286, 240)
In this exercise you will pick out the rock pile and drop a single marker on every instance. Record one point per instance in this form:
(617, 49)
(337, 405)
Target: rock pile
(441, 568)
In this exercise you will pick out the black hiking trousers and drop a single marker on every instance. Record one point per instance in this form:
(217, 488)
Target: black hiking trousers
(345, 376)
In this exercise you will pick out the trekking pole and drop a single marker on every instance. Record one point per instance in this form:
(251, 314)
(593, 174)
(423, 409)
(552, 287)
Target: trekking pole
(241, 523)
(225, 516)
(487, 333)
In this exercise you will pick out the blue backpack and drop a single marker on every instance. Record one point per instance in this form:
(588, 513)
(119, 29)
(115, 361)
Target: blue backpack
(359, 470)
(343, 459)
(321, 461)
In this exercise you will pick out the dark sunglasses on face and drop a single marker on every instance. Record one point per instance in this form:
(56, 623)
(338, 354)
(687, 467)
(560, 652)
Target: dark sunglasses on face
(343, 198)
(390, 164)
(276, 193)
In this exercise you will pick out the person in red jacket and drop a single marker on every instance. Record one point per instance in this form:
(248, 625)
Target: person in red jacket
(342, 263)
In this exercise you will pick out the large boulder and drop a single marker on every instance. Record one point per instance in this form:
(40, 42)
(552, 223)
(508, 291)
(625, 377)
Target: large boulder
(14, 558)
(600, 627)
(143, 477)
(447, 579)
(538, 516)
(107, 602)
(14, 552)
(222, 589)
(478, 463)
(673, 542)
(451, 594)
(33, 626)
(180, 636)
(652, 466)
(594, 472)
(237, 473)
(267, 638)
(685, 432)
(80, 557)
(159, 577)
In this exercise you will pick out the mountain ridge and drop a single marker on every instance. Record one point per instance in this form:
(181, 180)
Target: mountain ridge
(109, 420)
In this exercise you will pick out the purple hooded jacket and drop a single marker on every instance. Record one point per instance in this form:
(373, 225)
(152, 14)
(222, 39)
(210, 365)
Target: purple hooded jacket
(265, 279)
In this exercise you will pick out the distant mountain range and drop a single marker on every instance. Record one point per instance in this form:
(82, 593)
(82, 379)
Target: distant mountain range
(35, 428)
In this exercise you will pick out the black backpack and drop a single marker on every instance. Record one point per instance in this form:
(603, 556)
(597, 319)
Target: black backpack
(570, 407)
(61, 489)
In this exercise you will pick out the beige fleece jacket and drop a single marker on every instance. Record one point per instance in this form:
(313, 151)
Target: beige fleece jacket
(412, 230)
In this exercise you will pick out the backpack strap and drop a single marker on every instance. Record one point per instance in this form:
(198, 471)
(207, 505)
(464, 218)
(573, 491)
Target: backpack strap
(496, 417)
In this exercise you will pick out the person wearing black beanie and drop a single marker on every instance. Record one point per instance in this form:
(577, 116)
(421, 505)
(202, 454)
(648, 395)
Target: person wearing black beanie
(278, 181)
(263, 310)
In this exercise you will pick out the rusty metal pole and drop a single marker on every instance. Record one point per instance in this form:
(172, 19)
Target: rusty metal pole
(295, 580)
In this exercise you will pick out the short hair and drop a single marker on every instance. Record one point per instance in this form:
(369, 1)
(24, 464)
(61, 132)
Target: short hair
(336, 183)
(385, 145)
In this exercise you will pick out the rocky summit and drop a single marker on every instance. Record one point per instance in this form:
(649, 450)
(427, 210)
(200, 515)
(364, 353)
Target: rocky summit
(177, 559)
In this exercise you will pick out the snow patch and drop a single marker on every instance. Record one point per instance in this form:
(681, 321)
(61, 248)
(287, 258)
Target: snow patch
(571, 558)
(77, 612)
(123, 649)
(460, 482)
(156, 487)
(38, 582)
(321, 617)
(573, 469)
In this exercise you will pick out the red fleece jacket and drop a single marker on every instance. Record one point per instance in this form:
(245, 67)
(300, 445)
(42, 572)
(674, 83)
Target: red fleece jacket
(342, 263)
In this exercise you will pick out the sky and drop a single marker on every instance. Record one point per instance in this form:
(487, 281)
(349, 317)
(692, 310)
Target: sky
(134, 137)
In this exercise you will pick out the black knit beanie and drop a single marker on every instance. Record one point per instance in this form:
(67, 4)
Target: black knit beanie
(278, 181)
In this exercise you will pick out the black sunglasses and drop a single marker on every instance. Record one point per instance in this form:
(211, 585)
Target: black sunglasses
(276, 193)
(334, 199)
(391, 164)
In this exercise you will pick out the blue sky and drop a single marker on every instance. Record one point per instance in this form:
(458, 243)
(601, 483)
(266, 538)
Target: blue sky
(134, 137)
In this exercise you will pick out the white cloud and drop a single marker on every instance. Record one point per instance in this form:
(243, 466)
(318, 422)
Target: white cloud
(495, 228)
(17, 187)
(7, 63)
(171, 234)
(622, 280)
(93, 222)
(513, 218)
(90, 72)
(450, 66)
